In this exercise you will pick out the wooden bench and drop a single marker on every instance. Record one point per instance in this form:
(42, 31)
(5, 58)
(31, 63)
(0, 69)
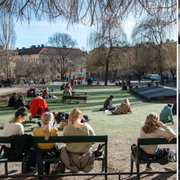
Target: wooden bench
(75, 97)
(61, 139)
(147, 141)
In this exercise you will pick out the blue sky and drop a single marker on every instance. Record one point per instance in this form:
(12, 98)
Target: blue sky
(37, 33)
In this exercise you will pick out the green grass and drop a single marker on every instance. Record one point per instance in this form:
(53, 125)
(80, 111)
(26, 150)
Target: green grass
(124, 125)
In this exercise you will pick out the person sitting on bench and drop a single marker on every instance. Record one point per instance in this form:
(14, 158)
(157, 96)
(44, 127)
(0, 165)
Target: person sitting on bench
(107, 104)
(166, 114)
(46, 130)
(74, 150)
(124, 108)
(15, 127)
(12, 100)
(154, 128)
(68, 91)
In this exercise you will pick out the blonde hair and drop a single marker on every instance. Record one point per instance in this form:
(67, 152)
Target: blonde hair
(151, 123)
(127, 101)
(75, 113)
(46, 119)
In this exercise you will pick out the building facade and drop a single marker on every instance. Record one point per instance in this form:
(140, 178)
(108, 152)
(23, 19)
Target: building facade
(61, 63)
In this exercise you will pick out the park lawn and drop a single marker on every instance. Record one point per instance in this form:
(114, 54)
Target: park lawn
(124, 125)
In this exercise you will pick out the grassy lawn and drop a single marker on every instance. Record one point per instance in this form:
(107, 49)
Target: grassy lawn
(125, 125)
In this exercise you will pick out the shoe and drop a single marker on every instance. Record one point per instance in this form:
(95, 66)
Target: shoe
(172, 156)
(29, 169)
(149, 169)
(114, 112)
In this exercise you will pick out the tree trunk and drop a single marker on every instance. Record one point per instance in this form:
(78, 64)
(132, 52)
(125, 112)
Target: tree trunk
(106, 74)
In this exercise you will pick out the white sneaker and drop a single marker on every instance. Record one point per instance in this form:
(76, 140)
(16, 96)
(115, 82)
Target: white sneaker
(149, 169)
(172, 155)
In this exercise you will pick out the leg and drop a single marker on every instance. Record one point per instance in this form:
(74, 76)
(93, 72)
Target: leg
(39, 161)
(132, 165)
(47, 167)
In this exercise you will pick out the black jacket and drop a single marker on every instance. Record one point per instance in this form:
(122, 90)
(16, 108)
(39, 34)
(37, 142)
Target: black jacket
(107, 103)
(12, 101)
(20, 146)
(18, 104)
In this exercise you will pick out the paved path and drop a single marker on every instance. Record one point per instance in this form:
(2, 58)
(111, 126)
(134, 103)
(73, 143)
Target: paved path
(16, 87)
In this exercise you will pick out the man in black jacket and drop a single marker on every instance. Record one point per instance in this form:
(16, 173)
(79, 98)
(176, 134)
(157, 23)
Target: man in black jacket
(12, 100)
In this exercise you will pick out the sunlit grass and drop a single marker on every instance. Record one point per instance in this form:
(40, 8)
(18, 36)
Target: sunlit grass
(125, 125)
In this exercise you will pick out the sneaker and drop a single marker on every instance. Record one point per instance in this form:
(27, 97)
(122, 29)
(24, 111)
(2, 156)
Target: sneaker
(172, 156)
(149, 169)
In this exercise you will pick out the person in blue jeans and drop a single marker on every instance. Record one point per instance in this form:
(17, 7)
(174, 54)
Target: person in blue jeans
(45, 130)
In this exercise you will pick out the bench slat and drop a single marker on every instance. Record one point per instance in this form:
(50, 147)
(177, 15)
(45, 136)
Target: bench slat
(62, 139)
(153, 141)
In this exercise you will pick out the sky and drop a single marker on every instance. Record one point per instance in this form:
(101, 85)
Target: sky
(37, 33)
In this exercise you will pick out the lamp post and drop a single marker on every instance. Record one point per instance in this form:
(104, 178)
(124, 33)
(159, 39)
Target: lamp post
(70, 69)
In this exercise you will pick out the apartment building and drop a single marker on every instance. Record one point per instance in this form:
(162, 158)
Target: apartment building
(67, 62)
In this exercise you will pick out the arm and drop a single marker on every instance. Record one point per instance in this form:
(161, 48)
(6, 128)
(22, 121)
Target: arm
(166, 131)
(171, 116)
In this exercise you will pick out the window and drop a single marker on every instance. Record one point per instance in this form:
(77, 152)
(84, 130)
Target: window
(81, 62)
(81, 70)
(58, 61)
(57, 76)
(43, 60)
(50, 60)
(65, 61)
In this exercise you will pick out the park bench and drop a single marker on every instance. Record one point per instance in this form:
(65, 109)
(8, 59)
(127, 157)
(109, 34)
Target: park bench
(79, 97)
(75, 97)
(147, 141)
(61, 139)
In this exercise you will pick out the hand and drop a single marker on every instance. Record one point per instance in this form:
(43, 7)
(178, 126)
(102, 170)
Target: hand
(174, 124)
(169, 139)
(159, 123)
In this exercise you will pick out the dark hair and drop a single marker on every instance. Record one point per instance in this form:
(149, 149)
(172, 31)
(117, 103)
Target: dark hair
(14, 93)
(111, 97)
(47, 109)
(22, 111)
(20, 97)
(169, 105)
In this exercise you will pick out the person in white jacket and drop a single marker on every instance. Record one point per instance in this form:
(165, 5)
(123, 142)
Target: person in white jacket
(154, 128)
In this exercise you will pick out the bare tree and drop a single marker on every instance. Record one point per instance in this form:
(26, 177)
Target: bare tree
(106, 38)
(153, 31)
(7, 41)
(87, 12)
(63, 42)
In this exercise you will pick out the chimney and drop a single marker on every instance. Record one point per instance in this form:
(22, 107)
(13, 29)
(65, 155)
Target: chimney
(38, 45)
(116, 45)
(42, 45)
(23, 47)
(64, 46)
(33, 46)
